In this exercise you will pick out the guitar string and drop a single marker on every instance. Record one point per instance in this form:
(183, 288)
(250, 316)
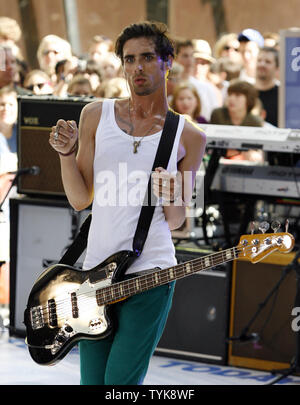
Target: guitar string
(214, 259)
(84, 307)
(164, 278)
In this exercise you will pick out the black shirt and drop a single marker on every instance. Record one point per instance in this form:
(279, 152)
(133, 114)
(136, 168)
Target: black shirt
(269, 99)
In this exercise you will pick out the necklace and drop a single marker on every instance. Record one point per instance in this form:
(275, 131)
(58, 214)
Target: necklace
(136, 143)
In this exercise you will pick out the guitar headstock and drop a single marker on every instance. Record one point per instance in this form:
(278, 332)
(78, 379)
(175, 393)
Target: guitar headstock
(258, 246)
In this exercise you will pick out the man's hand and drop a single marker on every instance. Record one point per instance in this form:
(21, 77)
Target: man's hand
(64, 136)
(166, 185)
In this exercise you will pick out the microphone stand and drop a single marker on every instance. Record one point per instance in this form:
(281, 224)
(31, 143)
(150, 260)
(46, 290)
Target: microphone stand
(13, 183)
(295, 363)
(34, 170)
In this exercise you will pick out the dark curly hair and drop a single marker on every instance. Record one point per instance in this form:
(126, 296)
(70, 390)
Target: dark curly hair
(156, 31)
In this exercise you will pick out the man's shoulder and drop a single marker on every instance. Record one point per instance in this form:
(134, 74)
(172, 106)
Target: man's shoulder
(271, 91)
(193, 132)
(94, 107)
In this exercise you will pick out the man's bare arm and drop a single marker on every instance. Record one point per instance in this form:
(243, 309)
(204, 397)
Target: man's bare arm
(77, 172)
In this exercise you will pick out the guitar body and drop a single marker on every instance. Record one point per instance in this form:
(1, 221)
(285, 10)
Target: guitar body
(64, 307)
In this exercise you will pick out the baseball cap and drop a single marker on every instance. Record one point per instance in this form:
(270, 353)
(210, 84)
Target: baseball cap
(250, 34)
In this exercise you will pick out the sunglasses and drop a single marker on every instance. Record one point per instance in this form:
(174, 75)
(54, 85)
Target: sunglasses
(227, 47)
(49, 51)
(39, 85)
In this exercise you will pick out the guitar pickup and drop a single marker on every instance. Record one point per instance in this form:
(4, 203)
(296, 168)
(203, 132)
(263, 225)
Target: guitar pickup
(74, 302)
(52, 313)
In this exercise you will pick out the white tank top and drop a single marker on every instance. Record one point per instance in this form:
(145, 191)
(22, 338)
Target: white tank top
(120, 182)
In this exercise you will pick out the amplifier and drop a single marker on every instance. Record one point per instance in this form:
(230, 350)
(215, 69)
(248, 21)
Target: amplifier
(36, 117)
(265, 311)
(197, 325)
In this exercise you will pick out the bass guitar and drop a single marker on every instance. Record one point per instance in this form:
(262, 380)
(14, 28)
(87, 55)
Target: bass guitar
(66, 304)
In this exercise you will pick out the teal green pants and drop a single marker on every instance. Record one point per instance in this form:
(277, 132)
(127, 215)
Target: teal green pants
(123, 357)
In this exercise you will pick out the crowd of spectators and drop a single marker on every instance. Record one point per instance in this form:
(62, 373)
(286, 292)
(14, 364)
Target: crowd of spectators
(210, 85)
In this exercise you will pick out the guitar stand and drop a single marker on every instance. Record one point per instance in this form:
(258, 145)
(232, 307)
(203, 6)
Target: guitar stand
(244, 337)
(295, 363)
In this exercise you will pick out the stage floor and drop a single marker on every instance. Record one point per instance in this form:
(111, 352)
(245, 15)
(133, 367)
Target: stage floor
(17, 368)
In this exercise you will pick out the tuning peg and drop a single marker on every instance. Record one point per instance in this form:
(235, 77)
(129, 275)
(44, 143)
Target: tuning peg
(275, 225)
(252, 227)
(287, 222)
(264, 226)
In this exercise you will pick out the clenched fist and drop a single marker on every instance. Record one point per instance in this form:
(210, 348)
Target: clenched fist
(63, 137)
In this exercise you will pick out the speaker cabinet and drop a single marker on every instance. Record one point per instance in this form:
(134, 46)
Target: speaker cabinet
(41, 230)
(197, 326)
(37, 115)
(258, 305)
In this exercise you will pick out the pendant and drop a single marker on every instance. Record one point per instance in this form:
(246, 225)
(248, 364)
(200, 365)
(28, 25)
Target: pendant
(136, 144)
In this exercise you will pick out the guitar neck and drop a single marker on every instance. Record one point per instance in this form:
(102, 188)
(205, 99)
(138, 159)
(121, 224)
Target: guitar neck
(127, 288)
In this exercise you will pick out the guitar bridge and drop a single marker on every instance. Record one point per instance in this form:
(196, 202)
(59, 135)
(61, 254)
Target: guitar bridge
(37, 317)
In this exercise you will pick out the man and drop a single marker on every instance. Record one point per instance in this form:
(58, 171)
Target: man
(127, 136)
(267, 83)
(185, 56)
(250, 43)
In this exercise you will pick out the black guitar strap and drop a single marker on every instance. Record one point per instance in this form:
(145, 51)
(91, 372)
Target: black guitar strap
(161, 160)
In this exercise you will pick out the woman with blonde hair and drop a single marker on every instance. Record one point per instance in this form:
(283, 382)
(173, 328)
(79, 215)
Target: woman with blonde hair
(51, 50)
(227, 46)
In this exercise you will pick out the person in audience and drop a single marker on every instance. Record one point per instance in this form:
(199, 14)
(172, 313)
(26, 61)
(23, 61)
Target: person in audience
(80, 86)
(113, 88)
(185, 57)
(174, 78)
(93, 73)
(8, 117)
(65, 71)
(271, 39)
(186, 101)
(222, 72)
(38, 82)
(10, 35)
(206, 91)
(203, 59)
(100, 46)
(250, 42)
(51, 50)
(260, 111)
(227, 46)
(8, 70)
(109, 66)
(266, 82)
(10, 31)
(241, 99)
